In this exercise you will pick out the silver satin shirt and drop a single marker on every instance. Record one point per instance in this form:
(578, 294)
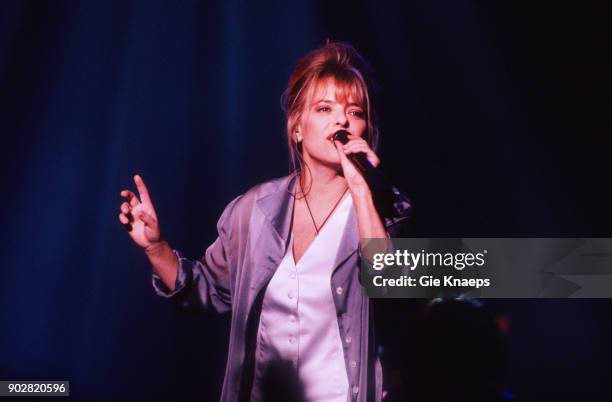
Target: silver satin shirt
(233, 274)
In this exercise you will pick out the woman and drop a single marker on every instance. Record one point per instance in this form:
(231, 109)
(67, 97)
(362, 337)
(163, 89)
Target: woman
(286, 258)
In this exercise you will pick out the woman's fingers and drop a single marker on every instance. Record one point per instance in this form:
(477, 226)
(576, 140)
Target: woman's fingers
(343, 159)
(144, 214)
(142, 189)
(147, 219)
(131, 197)
(126, 212)
(355, 140)
(126, 222)
(123, 219)
(138, 215)
(352, 137)
(358, 145)
(125, 208)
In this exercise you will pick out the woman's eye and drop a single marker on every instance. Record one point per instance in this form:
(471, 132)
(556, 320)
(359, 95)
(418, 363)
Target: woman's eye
(324, 109)
(357, 113)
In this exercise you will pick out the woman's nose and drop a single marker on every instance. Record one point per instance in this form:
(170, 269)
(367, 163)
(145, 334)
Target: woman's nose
(341, 120)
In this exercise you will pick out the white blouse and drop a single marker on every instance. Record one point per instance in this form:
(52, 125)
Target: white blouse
(298, 319)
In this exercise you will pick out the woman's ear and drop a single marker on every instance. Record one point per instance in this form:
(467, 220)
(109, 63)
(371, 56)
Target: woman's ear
(297, 134)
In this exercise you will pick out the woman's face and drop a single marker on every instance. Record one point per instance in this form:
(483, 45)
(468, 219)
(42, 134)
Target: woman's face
(325, 114)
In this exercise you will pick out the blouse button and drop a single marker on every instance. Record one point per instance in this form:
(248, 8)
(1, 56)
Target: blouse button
(348, 339)
(290, 294)
(292, 275)
(291, 318)
(353, 364)
(355, 389)
(339, 290)
(291, 340)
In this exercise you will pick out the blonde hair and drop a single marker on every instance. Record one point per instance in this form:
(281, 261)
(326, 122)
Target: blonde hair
(351, 74)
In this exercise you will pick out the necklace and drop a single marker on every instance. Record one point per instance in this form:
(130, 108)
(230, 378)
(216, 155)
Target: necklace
(328, 215)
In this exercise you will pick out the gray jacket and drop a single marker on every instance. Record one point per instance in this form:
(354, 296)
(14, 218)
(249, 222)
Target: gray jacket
(253, 234)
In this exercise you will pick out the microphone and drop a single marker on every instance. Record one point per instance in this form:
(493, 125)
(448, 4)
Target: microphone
(360, 160)
(384, 194)
(372, 175)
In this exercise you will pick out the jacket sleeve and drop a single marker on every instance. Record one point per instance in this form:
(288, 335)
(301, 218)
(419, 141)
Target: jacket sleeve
(396, 222)
(396, 225)
(204, 284)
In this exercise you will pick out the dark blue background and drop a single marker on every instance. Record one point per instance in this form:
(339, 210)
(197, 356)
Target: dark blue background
(495, 120)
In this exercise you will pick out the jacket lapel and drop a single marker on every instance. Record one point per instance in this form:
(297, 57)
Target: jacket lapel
(277, 208)
(272, 241)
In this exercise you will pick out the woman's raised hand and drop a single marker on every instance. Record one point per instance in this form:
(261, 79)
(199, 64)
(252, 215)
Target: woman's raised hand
(139, 217)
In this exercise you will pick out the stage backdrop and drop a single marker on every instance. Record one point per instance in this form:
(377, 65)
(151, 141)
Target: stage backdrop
(495, 120)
